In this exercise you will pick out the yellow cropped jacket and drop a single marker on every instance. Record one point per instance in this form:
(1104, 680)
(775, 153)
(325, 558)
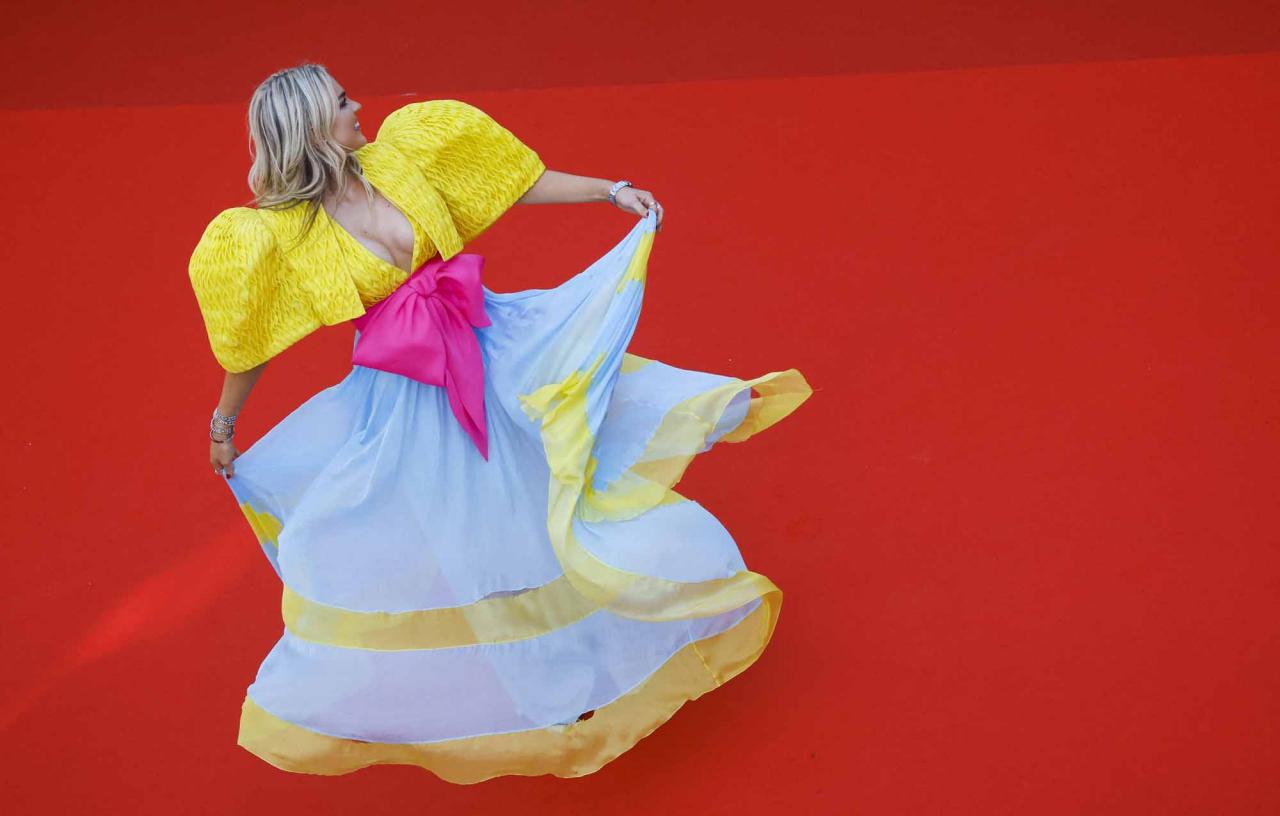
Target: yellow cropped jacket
(262, 284)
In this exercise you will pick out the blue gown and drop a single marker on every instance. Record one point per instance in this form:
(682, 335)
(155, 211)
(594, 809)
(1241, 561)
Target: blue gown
(536, 613)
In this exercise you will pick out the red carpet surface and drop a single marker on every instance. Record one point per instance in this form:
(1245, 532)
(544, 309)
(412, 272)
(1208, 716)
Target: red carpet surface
(1026, 527)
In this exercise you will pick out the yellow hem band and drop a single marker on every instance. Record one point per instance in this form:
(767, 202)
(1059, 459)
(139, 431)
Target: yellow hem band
(560, 750)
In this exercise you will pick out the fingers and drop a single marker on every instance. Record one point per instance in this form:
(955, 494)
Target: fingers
(224, 465)
(641, 202)
(651, 204)
(656, 209)
(637, 204)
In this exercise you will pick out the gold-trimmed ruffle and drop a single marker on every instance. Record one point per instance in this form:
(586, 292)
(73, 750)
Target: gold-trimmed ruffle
(572, 750)
(567, 441)
(682, 434)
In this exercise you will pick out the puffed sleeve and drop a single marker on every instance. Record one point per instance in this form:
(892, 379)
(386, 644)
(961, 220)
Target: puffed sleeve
(253, 308)
(479, 167)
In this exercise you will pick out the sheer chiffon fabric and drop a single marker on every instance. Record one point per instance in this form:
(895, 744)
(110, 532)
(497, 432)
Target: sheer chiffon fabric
(460, 614)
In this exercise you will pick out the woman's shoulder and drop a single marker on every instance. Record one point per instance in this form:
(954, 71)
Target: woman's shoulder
(240, 218)
(442, 113)
(244, 236)
(250, 222)
(433, 125)
(231, 227)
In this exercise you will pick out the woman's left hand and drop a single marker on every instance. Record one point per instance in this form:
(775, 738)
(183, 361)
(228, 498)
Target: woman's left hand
(637, 201)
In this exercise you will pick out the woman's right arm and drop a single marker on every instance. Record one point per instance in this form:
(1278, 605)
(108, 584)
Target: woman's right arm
(235, 390)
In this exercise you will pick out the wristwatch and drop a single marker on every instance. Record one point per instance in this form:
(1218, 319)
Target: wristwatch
(613, 191)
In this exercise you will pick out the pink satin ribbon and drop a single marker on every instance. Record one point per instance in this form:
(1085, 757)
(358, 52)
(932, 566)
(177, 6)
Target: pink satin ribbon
(425, 330)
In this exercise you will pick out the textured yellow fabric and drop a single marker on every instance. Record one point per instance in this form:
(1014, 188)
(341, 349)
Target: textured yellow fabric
(262, 283)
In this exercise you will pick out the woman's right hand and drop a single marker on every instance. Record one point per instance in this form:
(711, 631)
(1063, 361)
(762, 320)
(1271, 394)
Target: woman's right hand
(235, 390)
(222, 456)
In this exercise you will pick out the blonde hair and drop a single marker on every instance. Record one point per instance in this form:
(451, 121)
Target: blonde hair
(296, 161)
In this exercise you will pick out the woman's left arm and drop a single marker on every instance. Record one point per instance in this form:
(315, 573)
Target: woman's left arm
(554, 187)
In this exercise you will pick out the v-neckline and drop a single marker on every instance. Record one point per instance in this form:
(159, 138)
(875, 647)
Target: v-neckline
(413, 227)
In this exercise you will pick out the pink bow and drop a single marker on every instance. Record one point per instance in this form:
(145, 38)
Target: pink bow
(424, 331)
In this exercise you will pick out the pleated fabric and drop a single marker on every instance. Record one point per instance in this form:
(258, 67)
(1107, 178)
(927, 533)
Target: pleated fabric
(463, 615)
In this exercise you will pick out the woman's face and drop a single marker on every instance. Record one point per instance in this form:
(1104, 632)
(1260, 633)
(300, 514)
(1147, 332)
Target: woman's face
(346, 129)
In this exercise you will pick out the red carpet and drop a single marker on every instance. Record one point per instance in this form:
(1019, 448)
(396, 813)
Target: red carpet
(1026, 527)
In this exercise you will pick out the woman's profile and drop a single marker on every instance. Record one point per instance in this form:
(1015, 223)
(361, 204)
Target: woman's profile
(485, 569)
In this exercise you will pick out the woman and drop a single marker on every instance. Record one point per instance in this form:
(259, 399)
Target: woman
(485, 569)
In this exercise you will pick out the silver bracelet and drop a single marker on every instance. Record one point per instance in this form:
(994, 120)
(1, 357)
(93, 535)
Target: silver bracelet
(220, 424)
(613, 191)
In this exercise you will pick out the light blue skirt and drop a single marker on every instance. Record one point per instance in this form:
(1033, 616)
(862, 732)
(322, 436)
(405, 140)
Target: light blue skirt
(535, 613)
